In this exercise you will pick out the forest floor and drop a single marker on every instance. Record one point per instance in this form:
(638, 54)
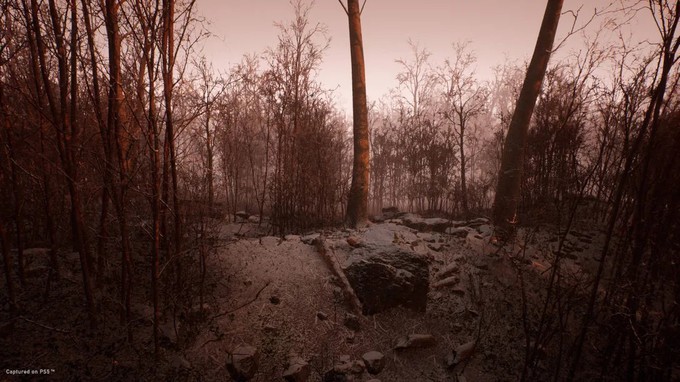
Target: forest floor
(279, 295)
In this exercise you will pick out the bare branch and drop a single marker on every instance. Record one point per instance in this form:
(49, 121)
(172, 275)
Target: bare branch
(344, 7)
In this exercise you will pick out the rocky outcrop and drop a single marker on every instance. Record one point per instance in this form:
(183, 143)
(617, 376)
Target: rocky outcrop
(387, 276)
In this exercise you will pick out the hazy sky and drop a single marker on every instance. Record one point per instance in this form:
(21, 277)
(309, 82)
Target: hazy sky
(496, 29)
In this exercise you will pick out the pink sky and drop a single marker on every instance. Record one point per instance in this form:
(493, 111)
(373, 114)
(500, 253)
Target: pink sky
(496, 29)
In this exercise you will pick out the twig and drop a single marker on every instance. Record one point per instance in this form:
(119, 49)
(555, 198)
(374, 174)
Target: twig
(243, 305)
(44, 326)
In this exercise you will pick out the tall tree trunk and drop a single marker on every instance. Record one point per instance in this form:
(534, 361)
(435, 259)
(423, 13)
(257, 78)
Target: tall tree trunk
(512, 161)
(357, 206)
(114, 125)
(40, 99)
(463, 164)
(7, 261)
(66, 129)
(106, 142)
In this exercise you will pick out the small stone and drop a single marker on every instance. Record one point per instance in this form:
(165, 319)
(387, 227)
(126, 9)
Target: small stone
(435, 246)
(321, 316)
(374, 361)
(352, 322)
(452, 280)
(458, 231)
(242, 215)
(416, 341)
(335, 376)
(426, 236)
(275, 300)
(446, 271)
(354, 241)
(461, 354)
(350, 367)
(309, 239)
(298, 370)
(242, 363)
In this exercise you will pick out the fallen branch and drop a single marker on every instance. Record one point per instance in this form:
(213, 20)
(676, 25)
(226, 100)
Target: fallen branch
(44, 326)
(243, 305)
(350, 296)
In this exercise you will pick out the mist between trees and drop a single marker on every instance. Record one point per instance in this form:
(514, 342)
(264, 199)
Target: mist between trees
(119, 140)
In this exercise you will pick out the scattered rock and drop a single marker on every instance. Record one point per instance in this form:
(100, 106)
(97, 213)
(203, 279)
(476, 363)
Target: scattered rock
(477, 222)
(275, 300)
(386, 276)
(345, 370)
(447, 270)
(461, 354)
(297, 370)
(377, 218)
(254, 219)
(451, 280)
(374, 361)
(485, 230)
(309, 239)
(293, 238)
(354, 241)
(458, 231)
(242, 215)
(352, 322)
(426, 236)
(389, 212)
(350, 367)
(425, 225)
(416, 341)
(334, 376)
(321, 316)
(242, 363)
(435, 246)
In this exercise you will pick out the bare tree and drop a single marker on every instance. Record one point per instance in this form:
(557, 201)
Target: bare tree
(464, 100)
(357, 206)
(509, 180)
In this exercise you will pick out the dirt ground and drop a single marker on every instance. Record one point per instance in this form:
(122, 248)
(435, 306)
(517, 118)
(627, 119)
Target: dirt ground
(279, 295)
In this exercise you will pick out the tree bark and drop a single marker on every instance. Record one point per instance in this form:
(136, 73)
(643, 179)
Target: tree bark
(7, 261)
(512, 161)
(357, 206)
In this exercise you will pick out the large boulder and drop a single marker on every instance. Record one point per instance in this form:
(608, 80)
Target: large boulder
(385, 276)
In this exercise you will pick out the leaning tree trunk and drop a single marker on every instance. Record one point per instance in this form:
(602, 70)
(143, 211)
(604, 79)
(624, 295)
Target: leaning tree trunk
(512, 161)
(357, 206)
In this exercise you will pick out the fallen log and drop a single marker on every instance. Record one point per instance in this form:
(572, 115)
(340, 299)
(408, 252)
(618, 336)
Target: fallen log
(329, 256)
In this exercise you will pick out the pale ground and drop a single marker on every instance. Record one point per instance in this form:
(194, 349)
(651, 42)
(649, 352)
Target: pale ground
(296, 274)
(268, 291)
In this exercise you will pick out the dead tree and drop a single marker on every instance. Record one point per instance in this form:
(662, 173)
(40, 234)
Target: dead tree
(510, 177)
